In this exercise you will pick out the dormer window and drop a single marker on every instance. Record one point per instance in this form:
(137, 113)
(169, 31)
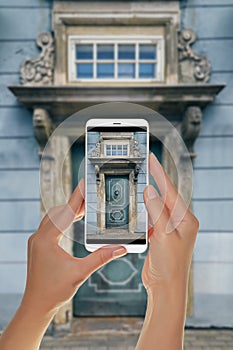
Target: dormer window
(117, 149)
(115, 58)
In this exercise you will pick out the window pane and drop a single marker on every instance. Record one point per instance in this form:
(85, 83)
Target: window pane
(147, 52)
(108, 150)
(147, 70)
(119, 150)
(105, 52)
(105, 70)
(84, 70)
(125, 153)
(126, 52)
(84, 52)
(126, 70)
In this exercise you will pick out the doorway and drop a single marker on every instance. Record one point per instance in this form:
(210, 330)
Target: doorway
(117, 201)
(116, 289)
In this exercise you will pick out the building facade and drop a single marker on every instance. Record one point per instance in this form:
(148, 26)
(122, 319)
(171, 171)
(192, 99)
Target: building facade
(172, 56)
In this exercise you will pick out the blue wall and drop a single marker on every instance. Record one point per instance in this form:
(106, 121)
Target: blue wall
(20, 23)
(213, 185)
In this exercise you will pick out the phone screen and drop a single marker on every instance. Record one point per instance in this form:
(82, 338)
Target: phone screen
(116, 175)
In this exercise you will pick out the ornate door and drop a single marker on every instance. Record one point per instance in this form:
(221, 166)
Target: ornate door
(116, 289)
(117, 200)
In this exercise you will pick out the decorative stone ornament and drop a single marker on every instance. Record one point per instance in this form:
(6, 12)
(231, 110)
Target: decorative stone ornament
(192, 67)
(43, 127)
(190, 127)
(39, 70)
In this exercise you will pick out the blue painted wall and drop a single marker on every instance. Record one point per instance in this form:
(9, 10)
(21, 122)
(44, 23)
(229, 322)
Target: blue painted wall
(20, 23)
(213, 174)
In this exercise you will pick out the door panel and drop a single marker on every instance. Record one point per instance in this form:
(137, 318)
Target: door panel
(117, 200)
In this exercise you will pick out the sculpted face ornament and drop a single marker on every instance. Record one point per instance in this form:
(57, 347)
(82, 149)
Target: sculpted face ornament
(191, 127)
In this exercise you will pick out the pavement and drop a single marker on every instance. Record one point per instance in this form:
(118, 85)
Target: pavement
(122, 334)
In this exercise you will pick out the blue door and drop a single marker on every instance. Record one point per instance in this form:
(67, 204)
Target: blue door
(116, 289)
(117, 201)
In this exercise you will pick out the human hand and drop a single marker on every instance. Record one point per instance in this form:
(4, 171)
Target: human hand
(53, 275)
(173, 235)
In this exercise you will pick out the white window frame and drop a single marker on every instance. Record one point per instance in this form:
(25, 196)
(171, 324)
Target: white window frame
(136, 40)
(116, 143)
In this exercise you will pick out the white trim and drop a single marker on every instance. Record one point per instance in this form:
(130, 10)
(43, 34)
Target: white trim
(116, 40)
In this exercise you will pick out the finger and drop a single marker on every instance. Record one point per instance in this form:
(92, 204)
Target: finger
(150, 231)
(100, 257)
(166, 187)
(156, 209)
(174, 202)
(76, 200)
(150, 221)
(61, 217)
(80, 213)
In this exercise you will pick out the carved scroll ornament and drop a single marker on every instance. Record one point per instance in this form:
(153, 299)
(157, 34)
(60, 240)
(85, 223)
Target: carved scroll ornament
(39, 70)
(193, 67)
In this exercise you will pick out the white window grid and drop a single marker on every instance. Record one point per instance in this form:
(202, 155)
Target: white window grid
(115, 40)
(121, 149)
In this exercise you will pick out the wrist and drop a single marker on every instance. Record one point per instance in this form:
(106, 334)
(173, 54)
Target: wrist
(33, 308)
(178, 286)
(169, 297)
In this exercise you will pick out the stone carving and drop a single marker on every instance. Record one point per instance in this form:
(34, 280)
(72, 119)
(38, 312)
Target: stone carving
(43, 127)
(97, 171)
(135, 149)
(191, 127)
(96, 152)
(192, 67)
(135, 173)
(39, 70)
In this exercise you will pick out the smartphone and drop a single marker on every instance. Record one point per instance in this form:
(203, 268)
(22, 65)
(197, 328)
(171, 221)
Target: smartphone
(116, 173)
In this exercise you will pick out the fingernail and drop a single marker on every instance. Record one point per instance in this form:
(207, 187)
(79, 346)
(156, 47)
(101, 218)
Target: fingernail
(119, 252)
(152, 194)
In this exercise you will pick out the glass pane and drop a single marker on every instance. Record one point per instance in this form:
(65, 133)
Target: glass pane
(125, 153)
(126, 52)
(147, 52)
(108, 150)
(147, 70)
(84, 70)
(84, 52)
(105, 70)
(126, 70)
(119, 150)
(105, 52)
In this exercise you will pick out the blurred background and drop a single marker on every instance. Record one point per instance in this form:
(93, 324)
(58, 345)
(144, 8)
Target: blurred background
(175, 57)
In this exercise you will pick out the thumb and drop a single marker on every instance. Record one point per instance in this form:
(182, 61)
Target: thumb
(156, 209)
(101, 256)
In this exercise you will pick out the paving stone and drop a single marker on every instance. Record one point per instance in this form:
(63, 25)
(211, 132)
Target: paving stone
(194, 340)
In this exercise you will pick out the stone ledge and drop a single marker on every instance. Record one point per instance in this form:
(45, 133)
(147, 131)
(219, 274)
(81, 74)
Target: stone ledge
(169, 100)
